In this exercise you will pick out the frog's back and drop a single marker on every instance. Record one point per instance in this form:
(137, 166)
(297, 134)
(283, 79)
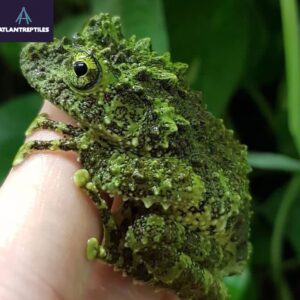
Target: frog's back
(211, 149)
(214, 153)
(221, 161)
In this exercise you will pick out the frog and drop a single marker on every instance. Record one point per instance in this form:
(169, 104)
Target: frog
(169, 180)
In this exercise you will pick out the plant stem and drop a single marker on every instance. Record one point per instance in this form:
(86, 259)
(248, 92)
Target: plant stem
(289, 197)
(290, 21)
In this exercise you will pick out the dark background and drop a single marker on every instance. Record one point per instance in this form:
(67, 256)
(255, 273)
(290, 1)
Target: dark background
(248, 68)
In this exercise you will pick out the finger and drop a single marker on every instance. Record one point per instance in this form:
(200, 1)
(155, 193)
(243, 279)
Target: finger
(63, 227)
(45, 222)
(108, 284)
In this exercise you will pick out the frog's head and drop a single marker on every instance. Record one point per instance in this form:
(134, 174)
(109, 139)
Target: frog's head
(113, 86)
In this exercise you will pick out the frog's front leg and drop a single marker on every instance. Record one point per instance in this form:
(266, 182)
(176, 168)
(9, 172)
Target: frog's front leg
(164, 181)
(42, 121)
(160, 243)
(68, 144)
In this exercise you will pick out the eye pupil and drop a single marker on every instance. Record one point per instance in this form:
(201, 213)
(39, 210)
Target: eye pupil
(80, 68)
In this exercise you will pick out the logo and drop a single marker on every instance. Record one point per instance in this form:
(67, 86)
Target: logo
(26, 21)
(23, 16)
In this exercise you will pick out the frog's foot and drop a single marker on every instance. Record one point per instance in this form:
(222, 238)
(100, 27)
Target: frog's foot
(43, 122)
(199, 283)
(27, 148)
(160, 244)
(95, 250)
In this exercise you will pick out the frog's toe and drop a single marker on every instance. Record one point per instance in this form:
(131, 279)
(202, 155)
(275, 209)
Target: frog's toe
(22, 153)
(81, 177)
(92, 248)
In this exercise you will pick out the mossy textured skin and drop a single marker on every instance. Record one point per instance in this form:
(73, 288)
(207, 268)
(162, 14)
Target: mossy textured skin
(145, 137)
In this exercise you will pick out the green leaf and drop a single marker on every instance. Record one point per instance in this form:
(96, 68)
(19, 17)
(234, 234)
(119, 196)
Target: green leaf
(293, 225)
(284, 205)
(269, 208)
(110, 6)
(252, 290)
(237, 285)
(11, 53)
(265, 44)
(281, 218)
(15, 116)
(260, 240)
(143, 18)
(215, 35)
(290, 22)
(69, 25)
(285, 141)
(272, 205)
(273, 161)
(258, 42)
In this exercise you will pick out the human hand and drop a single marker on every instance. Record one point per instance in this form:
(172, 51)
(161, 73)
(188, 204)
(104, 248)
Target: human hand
(45, 221)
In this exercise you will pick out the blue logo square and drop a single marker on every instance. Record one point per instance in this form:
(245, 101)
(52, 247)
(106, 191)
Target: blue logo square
(26, 21)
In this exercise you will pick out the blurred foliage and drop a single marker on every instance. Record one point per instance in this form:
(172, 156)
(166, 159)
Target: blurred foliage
(15, 116)
(245, 57)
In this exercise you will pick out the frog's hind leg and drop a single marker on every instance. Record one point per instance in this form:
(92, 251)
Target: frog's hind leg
(106, 249)
(160, 244)
(96, 249)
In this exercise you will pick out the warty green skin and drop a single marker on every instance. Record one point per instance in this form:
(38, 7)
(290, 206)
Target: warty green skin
(144, 136)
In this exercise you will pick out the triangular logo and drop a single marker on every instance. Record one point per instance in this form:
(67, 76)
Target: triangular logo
(23, 16)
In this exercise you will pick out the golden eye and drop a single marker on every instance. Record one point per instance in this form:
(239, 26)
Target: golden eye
(85, 72)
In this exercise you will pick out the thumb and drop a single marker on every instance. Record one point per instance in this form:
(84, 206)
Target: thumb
(45, 222)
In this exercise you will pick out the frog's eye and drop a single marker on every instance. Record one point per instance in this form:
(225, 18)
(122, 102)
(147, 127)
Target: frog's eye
(80, 68)
(85, 72)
